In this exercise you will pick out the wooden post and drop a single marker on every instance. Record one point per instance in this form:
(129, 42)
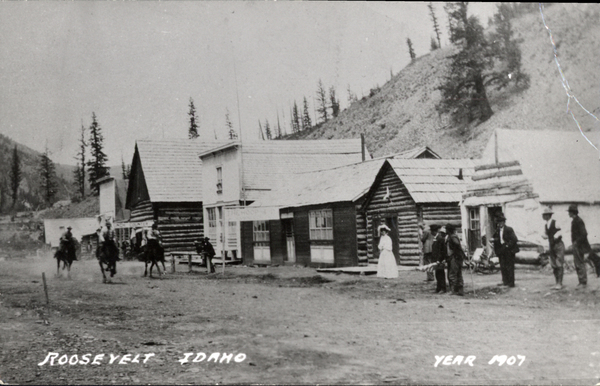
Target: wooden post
(172, 263)
(190, 262)
(45, 288)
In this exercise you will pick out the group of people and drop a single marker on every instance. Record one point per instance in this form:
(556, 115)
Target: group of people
(443, 251)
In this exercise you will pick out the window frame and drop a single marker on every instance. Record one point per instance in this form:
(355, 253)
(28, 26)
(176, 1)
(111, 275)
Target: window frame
(320, 225)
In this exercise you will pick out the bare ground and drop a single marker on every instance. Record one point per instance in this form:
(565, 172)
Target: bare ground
(294, 326)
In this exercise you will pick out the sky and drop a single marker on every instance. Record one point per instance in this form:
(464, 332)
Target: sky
(137, 64)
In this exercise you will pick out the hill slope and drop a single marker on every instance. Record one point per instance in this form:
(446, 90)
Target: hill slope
(402, 114)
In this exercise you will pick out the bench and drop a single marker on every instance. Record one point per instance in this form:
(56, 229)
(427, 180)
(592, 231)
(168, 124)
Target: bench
(191, 257)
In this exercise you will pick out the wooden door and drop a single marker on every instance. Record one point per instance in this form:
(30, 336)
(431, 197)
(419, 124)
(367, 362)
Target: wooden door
(288, 229)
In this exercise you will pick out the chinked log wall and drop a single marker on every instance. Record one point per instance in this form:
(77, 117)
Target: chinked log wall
(442, 214)
(180, 224)
(400, 205)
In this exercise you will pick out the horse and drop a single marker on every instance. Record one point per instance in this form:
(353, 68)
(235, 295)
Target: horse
(108, 257)
(153, 254)
(67, 254)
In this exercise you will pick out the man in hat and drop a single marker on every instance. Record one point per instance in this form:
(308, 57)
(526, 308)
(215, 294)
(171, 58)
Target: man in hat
(505, 246)
(207, 249)
(67, 243)
(109, 245)
(427, 237)
(580, 245)
(438, 253)
(553, 233)
(456, 256)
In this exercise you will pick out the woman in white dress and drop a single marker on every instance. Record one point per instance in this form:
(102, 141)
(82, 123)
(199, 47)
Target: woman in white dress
(386, 267)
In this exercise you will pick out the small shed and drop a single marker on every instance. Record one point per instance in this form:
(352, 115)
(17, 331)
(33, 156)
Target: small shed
(409, 191)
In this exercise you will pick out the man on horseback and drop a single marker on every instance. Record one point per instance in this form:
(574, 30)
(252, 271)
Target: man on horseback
(110, 246)
(67, 244)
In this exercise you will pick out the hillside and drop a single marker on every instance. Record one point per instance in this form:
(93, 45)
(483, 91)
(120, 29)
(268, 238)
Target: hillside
(30, 184)
(402, 114)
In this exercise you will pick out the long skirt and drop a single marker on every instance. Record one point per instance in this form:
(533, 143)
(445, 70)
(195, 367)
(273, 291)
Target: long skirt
(387, 267)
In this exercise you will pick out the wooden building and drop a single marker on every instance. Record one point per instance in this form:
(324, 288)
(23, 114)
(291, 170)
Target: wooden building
(523, 171)
(312, 220)
(165, 186)
(235, 175)
(409, 191)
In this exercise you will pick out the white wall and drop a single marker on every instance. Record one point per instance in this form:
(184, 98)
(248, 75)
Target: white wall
(108, 203)
(229, 162)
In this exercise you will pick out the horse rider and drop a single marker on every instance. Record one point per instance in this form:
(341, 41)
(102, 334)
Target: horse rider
(67, 243)
(109, 244)
(154, 239)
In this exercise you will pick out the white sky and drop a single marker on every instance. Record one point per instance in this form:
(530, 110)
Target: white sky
(136, 64)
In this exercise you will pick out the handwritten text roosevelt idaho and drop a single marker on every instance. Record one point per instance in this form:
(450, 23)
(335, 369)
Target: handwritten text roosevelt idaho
(54, 358)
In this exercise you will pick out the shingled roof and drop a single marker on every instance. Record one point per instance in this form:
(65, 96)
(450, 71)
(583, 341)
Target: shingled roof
(434, 180)
(561, 165)
(172, 168)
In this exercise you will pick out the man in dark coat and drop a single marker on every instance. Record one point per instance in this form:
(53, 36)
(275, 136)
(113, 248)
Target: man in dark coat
(67, 244)
(505, 246)
(438, 251)
(205, 248)
(580, 245)
(457, 257)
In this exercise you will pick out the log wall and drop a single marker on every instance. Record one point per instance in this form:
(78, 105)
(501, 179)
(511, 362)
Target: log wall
(181, 225)
(442, 214)
(142, 211)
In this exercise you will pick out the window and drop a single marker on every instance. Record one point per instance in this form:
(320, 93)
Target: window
(321, 224)
(219, 180)
(474, 218)
(260, 232)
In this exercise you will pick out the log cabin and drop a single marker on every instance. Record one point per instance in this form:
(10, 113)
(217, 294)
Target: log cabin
(407, 192)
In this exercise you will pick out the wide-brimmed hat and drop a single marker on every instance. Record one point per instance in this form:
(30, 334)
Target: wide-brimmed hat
(573, 209)
(450, 228)
(206, 239)
(383, 228)
(548, 210)
(500, 217)
(434, 227)
(69, 227)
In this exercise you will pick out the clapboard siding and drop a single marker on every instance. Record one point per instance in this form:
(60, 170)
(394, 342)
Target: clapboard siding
(399, 205)
(362, 245)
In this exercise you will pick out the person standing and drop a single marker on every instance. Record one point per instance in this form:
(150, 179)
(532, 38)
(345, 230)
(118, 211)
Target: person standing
(505, 247)
(210, 253)
(580, 245)
(556, 247)
(427, 239)
(438, 253)
(457, 257)
(386, 267)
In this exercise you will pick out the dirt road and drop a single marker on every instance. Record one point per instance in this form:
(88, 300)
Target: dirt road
(291, 325)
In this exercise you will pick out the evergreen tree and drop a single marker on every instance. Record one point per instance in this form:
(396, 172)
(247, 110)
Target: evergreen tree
(334, 102)
(436, 28)
(278, 132)
(125, 169)
(79, 172)
(15, 176)
(193, 129)
(230, 131)
(306, 121)
(411, 52)
(434, 45)
(477, 65)
(261, 134)
(47, 172)
(97, 164)
(351, 96)
(322, 102)
(295, 118)
(268, 130)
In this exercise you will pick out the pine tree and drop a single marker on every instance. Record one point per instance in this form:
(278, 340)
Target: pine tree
(261, 134)
(47, 172)
(334, 103)
(436, 28)
(477, 65)
(125, 169)
(306, 121)
(79, 172)
(278, 133)
(97, 164)
(15, 176)
(322, 102)
(351, 96)
(268, 130)
(411, 52)
(230, 131)
(295, 118)
(193, 129)
(434, 45)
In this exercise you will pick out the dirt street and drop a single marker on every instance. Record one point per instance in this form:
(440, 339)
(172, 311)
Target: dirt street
(291, 325)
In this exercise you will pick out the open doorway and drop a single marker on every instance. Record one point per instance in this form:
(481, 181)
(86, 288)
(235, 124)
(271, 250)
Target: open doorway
(392, 222)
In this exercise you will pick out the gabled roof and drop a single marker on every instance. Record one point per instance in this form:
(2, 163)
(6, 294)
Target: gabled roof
(433, 180)
(266, 163)
(418, 152)
(561, 165)
(341, 184)
(172, 168)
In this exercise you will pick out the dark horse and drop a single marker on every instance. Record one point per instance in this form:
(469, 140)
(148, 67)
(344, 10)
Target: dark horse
(67, 253)
(107, 256)
(153, 254)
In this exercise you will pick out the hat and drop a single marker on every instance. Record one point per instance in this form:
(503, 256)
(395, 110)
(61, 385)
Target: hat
(69, 227)
(207, 239)
(500, 217)
(450, 228)
(383, 228)
(573, 209)
(434, 227)
(548, 210)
